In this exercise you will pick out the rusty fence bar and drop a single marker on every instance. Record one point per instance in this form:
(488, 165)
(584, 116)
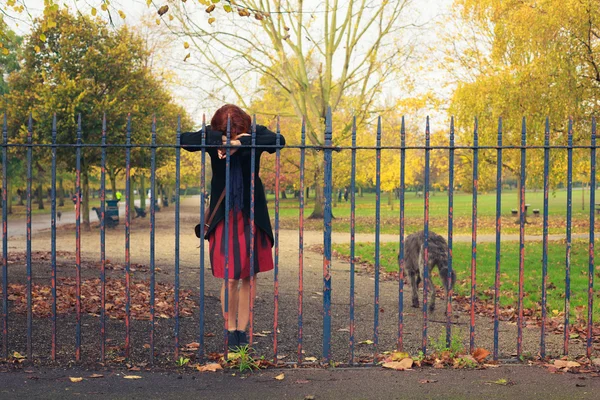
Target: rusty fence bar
(591, 266)
(474, 237)
(545, 237)
(128, 239)
(327, 186)
(450, 228)
(327, 147)
(201, 349)
(426, 236)
(300, 233)
(102, 243)
(28, 211)
(400, 344)
(377, 236)
(5, 237)
(352, 241)
(498, 238)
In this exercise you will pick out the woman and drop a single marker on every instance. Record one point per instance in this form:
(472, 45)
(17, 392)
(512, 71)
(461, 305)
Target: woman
(239, 211)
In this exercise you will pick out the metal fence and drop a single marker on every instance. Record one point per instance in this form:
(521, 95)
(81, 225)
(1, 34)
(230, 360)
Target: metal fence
(327, 149)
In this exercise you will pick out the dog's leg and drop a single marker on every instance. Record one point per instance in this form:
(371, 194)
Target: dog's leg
(415, 289)
(431, 289)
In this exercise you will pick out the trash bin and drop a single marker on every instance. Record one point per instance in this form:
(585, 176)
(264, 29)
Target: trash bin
(112, 210)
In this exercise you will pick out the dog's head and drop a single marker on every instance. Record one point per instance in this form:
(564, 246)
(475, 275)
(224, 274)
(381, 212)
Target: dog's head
(444, 276)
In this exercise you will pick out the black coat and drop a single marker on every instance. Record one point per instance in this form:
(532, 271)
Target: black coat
(264, 137)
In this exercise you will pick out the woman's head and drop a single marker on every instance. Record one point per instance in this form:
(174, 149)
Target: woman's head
(240, 120)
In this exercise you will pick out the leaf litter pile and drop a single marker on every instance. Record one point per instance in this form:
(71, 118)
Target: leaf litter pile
(66, 294)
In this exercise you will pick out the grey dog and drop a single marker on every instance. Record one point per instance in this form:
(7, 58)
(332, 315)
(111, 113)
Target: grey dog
(437, 249)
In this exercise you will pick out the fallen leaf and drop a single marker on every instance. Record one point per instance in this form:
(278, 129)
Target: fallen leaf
(427, 381)
(501, 381)
(209, 367)
(79, 379)
(366, 342)
(480, 354)
(399, 356)
(96, 376)
(132, 377)
(310, 359)
(18, 355)
(399, 365)
(280, 377)
(566, 364)
(259, 334)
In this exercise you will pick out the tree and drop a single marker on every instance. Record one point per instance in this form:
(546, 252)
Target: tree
(347, 49)
(533, 59)
(80, 66)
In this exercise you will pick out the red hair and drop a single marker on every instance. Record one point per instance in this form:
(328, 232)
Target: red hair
(240, 120)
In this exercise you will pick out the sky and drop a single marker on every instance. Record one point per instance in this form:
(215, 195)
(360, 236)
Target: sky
(425, 13)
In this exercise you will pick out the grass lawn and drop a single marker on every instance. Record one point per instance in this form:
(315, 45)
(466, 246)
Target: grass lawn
(438, 211)
(509, 268)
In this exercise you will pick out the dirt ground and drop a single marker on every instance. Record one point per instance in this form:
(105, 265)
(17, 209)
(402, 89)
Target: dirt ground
(264, 305)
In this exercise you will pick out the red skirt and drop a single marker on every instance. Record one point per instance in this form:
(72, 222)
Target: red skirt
(239, 248)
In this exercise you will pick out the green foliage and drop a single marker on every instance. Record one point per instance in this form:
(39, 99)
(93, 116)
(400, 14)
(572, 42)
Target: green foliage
(244, 359)
(182, 361)
(439, 345)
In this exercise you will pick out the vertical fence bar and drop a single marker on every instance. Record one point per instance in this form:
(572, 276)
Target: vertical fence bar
(227, 228)
(327, 158)
(352, 239)
(29, 272)
(591, 248)
(498, 238)
(426, 238)
(177, 184)
(377, 232)
(153, 203)
(301, 242)
(450, 231)
(53, 237)
(5, 237)
(78, 242)
(474, 236)
(103, 243)
(400, 344)
(545, 236)
(252, 227)
(521, 239)
(127, 238)
(201, 349)
(568, 233)
(276, 266)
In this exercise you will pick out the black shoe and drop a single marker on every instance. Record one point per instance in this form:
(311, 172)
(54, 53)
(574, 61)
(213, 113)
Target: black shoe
(242, 338)
(232, 341)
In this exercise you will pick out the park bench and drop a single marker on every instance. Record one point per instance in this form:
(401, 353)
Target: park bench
(110, 220)
(140, 212)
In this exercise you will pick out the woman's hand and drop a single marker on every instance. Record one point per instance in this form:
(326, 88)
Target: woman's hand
(233, 142)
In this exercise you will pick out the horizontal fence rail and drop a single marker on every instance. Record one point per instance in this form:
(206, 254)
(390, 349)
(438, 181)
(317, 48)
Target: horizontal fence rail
(12, 338)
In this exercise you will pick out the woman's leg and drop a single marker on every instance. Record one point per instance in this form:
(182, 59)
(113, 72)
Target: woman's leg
(244, 304)
(232, 303)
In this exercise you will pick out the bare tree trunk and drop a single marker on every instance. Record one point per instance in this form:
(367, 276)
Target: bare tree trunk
(142, 192)
(85, 187)
(61, 193)
(40, 197)
(318, 211)
(113, 185)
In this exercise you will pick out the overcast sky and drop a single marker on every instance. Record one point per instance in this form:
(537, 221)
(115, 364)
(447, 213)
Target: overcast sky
(426, 12)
